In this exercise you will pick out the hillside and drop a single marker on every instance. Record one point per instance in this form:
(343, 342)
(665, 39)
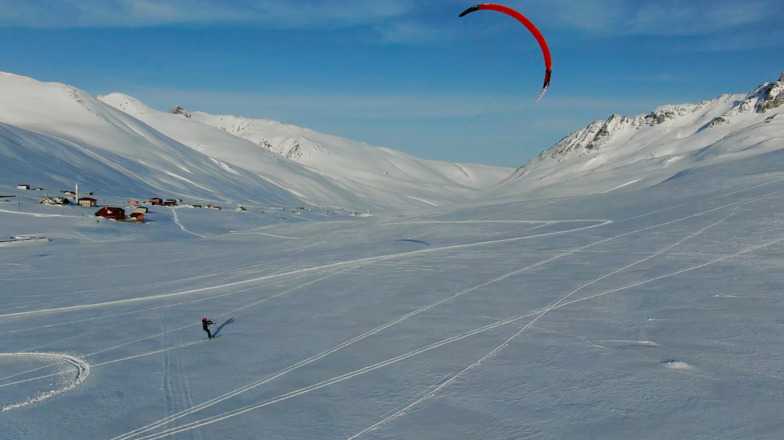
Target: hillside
(350, 173)
(649, 148)
(55, 136)
(120, 147)
(133, 151)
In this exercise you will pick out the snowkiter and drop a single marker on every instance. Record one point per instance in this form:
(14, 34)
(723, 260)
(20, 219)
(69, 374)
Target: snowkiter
(205, 323)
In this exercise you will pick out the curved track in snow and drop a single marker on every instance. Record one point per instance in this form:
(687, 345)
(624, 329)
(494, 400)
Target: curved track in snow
(71, 370)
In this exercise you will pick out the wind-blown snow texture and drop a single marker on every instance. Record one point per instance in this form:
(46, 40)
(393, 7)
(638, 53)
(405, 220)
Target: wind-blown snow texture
(628, 290)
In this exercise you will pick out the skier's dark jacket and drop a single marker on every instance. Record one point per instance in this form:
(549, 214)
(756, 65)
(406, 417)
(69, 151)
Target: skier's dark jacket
(205, 323)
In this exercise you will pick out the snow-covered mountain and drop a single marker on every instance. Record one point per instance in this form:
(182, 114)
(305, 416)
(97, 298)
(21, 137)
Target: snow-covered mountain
(54, 135)
(135, 151)
(649, 148)
(347, 172)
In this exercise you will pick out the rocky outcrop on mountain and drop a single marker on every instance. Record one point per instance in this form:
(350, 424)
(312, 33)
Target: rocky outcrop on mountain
(770, 96)
(177, 110)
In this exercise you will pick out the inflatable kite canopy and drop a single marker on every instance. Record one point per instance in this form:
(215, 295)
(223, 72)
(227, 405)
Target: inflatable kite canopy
(531, 28)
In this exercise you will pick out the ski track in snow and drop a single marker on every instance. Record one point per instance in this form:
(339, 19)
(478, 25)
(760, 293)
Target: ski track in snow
(145, 432)
(622, 185)
(596, 223)
(184, 229)
(264, 234)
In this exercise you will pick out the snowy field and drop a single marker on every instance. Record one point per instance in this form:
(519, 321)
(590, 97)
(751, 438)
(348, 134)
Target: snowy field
(652, 313)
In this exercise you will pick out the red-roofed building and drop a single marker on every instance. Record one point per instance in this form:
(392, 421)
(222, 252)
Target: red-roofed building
(137, 216)
(111, 213)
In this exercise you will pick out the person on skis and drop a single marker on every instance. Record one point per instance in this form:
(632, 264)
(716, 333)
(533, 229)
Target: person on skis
(205, 323)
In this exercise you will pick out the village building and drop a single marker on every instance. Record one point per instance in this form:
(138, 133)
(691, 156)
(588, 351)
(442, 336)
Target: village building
(156, 201)
(137, 216)
(88, 202)
(111, 213)
(54, 201)
(141, 209)
(22, 186)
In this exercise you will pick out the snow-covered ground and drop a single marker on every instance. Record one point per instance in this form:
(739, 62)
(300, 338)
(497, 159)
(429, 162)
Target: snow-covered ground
(648, 311)
(656, 313)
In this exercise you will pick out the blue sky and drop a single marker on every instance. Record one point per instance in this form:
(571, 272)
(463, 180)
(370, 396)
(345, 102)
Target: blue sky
(407, 75)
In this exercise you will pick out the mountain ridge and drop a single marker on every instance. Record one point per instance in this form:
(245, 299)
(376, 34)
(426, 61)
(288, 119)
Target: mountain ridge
(374, 176)
(232, 159)
(159, 155)
(670, 138)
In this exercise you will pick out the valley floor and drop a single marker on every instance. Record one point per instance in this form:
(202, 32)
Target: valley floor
(649, 314)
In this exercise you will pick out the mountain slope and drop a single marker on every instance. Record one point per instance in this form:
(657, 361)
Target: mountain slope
(54, 134)
(624, 152)
(350, 173)
(120, 147)
(202, 157)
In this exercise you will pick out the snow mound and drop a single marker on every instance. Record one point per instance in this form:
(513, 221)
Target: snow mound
(677, 365)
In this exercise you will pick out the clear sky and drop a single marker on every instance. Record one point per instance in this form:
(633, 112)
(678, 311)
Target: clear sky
(404, 74)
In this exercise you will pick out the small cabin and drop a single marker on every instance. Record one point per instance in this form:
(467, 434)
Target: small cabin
(156, 201)
(22, 186)
(54, 201)
(111, 213)
(137, 216)
(170, 202)
(88, 202)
